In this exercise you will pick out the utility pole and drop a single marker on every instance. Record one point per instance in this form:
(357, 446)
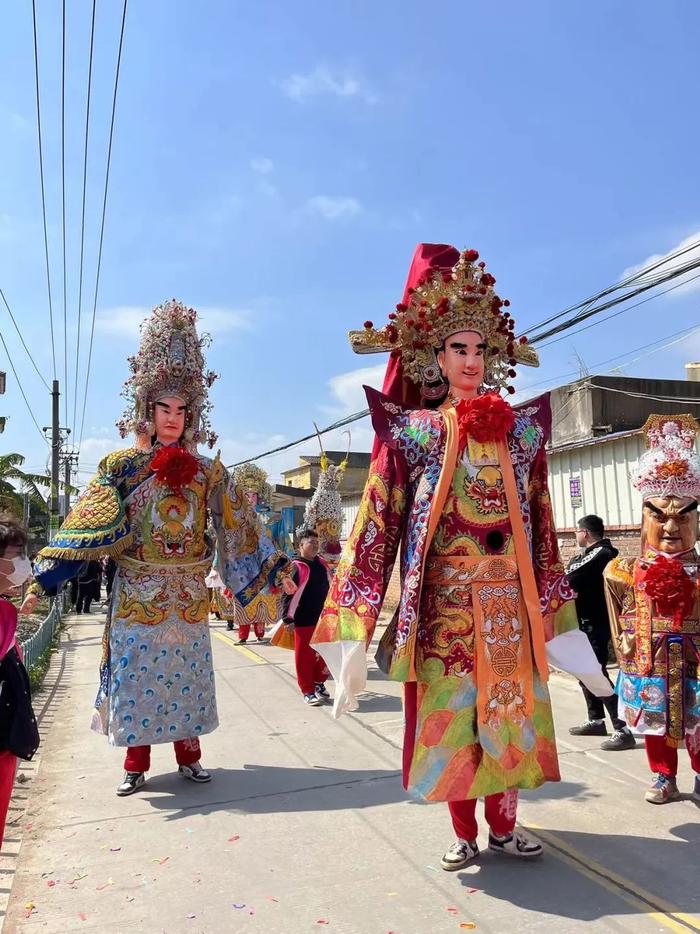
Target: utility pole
(56, 442)
(69, 460)
(3, 381)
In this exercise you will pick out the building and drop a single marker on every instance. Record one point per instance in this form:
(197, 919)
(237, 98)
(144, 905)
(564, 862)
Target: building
(305, 475)
(596, 438)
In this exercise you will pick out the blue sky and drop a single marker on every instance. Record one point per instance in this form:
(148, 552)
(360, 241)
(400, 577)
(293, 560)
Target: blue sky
(275, 164)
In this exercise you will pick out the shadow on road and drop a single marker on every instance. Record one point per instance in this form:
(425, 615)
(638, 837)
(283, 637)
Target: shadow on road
(545, 886)
(255, 789)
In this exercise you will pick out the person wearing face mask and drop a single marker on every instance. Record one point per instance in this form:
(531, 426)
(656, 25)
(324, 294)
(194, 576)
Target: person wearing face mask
(19, 734)
(150, 508)
(654, 606)
(458, 480)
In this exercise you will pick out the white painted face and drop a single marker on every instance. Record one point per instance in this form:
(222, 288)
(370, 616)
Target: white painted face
(462, 362)
(169, 419)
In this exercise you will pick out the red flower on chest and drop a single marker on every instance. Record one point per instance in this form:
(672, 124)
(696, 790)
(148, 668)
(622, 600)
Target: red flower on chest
(485, 418)
(175, 468)
(667, 584)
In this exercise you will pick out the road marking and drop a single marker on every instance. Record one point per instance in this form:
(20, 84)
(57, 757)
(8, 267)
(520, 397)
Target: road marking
(634, 895)
(244, 650)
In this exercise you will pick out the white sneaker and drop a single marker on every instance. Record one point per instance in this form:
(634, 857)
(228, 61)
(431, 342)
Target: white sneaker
(195, 773)
(312, 700)
(459, 854)
(515, 845)
(133, 781)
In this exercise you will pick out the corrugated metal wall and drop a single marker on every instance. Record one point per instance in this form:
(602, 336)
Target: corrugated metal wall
(606, 490)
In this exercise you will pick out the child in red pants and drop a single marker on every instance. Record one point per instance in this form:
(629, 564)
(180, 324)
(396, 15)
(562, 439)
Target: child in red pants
(301, 611)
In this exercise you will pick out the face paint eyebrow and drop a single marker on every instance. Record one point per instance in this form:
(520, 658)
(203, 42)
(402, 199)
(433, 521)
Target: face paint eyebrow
(654, 509)
(689, 508)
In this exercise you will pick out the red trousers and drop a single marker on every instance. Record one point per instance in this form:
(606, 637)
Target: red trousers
(8, 767)
(138, 758)
(244, 630)
(663, 759)
(311, 669)
(500, 813)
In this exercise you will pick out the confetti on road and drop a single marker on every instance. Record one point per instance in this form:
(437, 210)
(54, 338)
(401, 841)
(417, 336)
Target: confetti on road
(78, 879)
(159, 860)
(452, 910)
(115, 849)
(106, 885)
(29, 906)
(271, 899)
(51, 883)
(82, 916)
(234, 838)
(322, 921)
(238, 907)
(190, 916)
(467, 926)
(431, 868)
(392, 894)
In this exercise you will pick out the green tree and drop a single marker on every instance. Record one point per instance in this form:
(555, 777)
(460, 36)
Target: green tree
(15, 483)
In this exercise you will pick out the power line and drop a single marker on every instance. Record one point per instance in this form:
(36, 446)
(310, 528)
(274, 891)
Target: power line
(646, 395)
(21, 388)
(38, 371)
(82, 222)
(43, 194)
(63, 204)
(285, 447)
(104, 213)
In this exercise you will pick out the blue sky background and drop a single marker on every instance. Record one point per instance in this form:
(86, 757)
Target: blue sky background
(275, 164)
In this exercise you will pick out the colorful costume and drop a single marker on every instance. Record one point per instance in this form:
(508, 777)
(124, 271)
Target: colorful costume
(323, 512)
(654, 604)
(462, 487)
(149, 508)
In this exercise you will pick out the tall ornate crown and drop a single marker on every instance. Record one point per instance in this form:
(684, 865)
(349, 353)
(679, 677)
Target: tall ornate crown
(671, 465)
(170, 362)
(462, 299)
(253, 479)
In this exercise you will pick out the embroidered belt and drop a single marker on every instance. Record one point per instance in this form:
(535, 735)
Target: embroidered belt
(452, 569)
(151, 567)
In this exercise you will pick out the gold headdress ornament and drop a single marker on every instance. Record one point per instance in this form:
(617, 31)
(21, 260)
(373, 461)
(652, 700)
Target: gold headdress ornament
(443, 304)
(670, 466)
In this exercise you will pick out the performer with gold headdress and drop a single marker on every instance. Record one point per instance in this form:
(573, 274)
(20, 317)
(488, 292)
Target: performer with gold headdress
(461, 483)
(654, 606)
(148, 508)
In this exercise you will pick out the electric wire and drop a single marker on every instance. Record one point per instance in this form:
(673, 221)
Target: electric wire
(63, 205)
(82, 221)
(21, 388)
(43, 193)
(28, 352)
(102, 224)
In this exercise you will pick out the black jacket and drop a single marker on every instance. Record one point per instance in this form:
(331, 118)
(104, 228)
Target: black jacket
(585, 575)
(313, 596)
(18, 730)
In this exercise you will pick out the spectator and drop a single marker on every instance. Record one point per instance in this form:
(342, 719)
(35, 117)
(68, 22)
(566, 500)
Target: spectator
(110, 570)
(88, 586)
(19, 735)
(585, 575)
(301, 611)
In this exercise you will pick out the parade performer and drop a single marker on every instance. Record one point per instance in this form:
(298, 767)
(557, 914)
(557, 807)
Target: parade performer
(224, 606)
(654, 606)
(323, 512)
(461, 483)
(149, 507)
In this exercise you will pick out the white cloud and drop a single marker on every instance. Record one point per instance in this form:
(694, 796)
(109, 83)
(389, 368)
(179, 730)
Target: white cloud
(693, 254)
(334, 207)
(125, 320)
(323, 81)
(346, 388)
(262, 166)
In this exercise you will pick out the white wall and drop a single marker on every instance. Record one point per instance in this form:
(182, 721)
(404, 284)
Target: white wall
(350, 506)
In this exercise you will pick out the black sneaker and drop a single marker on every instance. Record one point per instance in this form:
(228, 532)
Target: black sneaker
(322, 692)
(195, 773)
(459, 854)
(515, 845)
(133, 781)
(229, 626)
(589, 728)
(241, 642)
(621, 739)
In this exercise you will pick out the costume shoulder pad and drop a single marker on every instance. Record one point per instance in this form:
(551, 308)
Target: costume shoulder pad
(412, 432)
(620, 570)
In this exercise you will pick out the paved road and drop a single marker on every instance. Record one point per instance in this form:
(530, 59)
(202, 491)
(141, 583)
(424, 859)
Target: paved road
(305, 826)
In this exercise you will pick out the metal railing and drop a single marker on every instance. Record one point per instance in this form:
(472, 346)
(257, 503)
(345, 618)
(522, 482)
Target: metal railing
(35, 646)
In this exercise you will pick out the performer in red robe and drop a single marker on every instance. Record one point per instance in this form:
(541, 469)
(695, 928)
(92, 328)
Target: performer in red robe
(461, 484)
